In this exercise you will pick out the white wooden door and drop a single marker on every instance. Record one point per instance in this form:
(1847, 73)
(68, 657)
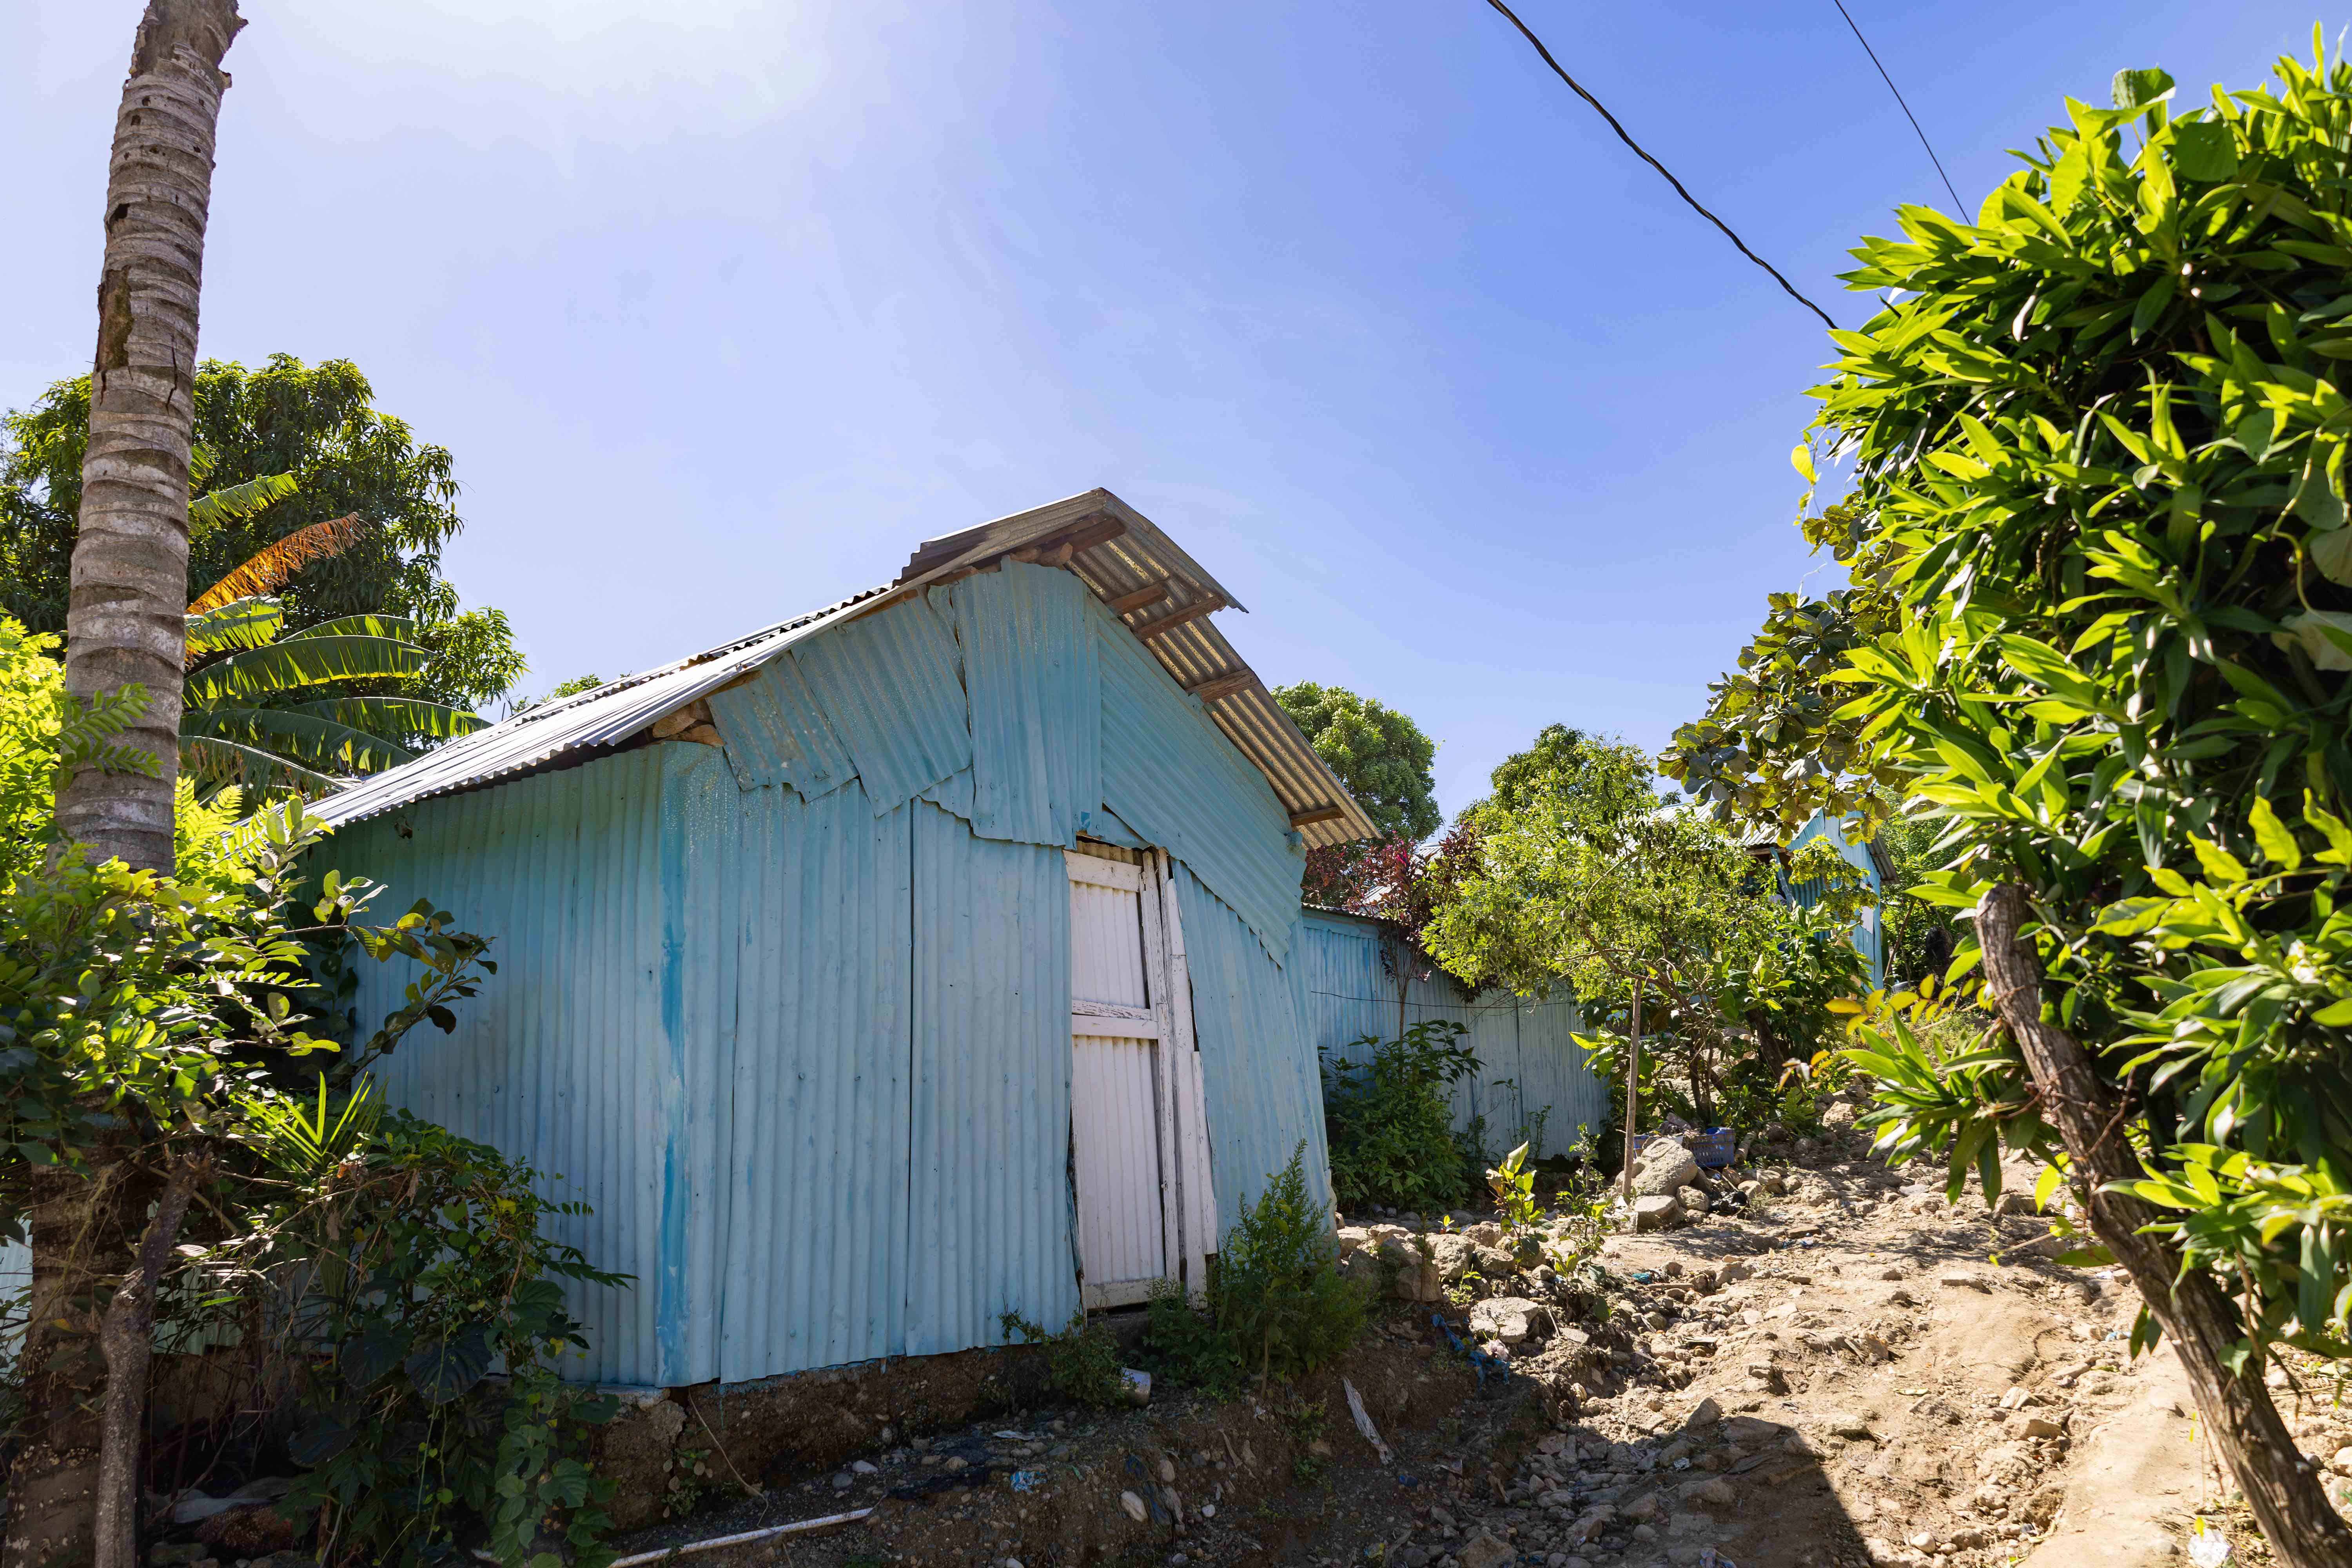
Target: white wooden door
(1135, 1103)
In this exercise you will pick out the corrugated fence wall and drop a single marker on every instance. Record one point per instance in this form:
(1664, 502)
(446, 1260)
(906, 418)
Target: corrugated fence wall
(1345, 972)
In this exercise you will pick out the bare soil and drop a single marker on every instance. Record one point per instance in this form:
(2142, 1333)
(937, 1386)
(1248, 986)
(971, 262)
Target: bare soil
(1854, 1372)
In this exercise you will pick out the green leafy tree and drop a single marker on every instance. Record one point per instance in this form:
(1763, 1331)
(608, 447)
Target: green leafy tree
(1379, 753)
(1384, 760)
(2098, 440)
(292, 445)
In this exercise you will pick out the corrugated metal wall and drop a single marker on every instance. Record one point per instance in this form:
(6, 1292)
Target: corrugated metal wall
(1528, 1062)
(1257, 1060)
(992, 1109)
(1031, 671)
(563, 1060)
(1172, 776)
(795, 1030)
(1869, 931)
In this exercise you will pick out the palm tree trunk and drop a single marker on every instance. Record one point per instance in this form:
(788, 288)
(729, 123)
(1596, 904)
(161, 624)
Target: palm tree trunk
(125, 626)
(125, 623)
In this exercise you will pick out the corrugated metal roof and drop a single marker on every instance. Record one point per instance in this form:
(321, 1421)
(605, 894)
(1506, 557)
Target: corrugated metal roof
(1116, 550)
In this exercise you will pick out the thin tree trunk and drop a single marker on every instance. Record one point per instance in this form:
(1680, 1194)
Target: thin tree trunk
(1633, 1096)
(2280, 1484)
(76, 1219)
(127, 1335)
(125, 623)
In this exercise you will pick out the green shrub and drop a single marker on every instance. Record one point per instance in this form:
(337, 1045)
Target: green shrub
(424, 1269)
(1082, 1361)
(1277, 1304)
(1391, 1126)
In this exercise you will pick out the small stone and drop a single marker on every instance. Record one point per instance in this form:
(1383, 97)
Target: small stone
(1658, 1213)
(1134, 1506)
(862, 1467)
(843, 1481)
(1167, 1472)
(1852, 1427)
(1922, 1540)
(1962, 1282)
(2040, 1426)
(1208, 1511)
(1645, 1533)
(2342, 1463)
(1483, 1550)
(1705, 1413)
(1692, 1200)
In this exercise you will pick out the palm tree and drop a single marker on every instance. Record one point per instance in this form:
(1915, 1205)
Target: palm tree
(73, 1486)
(237, 725)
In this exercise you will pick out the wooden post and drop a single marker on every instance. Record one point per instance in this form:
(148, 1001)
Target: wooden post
(1632, 1094)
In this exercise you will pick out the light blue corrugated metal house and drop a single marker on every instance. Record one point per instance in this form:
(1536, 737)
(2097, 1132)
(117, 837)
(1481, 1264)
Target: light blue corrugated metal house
(1358, 978)
(925, 958)
(1870, 930)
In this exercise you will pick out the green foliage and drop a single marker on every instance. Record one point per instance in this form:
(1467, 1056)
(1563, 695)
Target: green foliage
(1082, 1361)
(1277, 1305)
(1279, 1299)
(1388, 1121)
(1513, 1183)
(247, 719)
(287, 445)
(1379, 753)
(425, 1267)
(2098, 534)
(1184, 1345)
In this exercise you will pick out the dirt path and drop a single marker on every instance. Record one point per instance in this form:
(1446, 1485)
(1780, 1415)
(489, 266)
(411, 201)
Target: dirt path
(1838, 1375)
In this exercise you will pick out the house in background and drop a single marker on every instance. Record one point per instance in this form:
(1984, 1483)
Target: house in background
(932, 956)
(1870, 930)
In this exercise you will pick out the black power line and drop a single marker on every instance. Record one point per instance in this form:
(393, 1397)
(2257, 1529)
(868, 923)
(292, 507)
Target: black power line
(1959, 209)
(1529, 34)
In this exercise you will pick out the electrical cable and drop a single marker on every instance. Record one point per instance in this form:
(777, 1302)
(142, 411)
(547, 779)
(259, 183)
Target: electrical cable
(1959, 208)
(1527, 33)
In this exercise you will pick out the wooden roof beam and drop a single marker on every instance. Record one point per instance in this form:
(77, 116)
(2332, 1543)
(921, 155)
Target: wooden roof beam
(1218, 685)
(1315, 814)
(1174, 618)
(1128, 604)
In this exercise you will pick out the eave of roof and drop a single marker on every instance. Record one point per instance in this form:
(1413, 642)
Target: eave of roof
(1163, 595)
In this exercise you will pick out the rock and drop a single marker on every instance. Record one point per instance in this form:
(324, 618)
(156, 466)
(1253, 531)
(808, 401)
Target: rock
(1750, 1432)
(1693, 1199)
(1960, 1281)
(1513, 1320)
(1451, 1255)
(1485, 1234)
(1645, 1533)
(264, 1489)
(2342, 1463)
(862, 1467)
(1483, 1550)
(1591, 1523)
(1852, 1427)
(1705, 1413)
(1648, 1508)
(1134, 1506)
(252, 1530)
(1168, 1472)
(843, 1481)
(1657, 1213)
(194, 1507)
(1352, 1239)
(1838, 1114)
(2042, 1426)
(1664, 1168)
(2013, 1203)
(1770, 1185)
(1714, 1491)
(1732, 1272)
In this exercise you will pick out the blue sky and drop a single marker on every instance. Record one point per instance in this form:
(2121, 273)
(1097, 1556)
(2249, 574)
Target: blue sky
(723, 305)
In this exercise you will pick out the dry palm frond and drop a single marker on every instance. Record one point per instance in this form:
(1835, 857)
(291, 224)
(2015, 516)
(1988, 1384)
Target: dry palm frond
(271, 568)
